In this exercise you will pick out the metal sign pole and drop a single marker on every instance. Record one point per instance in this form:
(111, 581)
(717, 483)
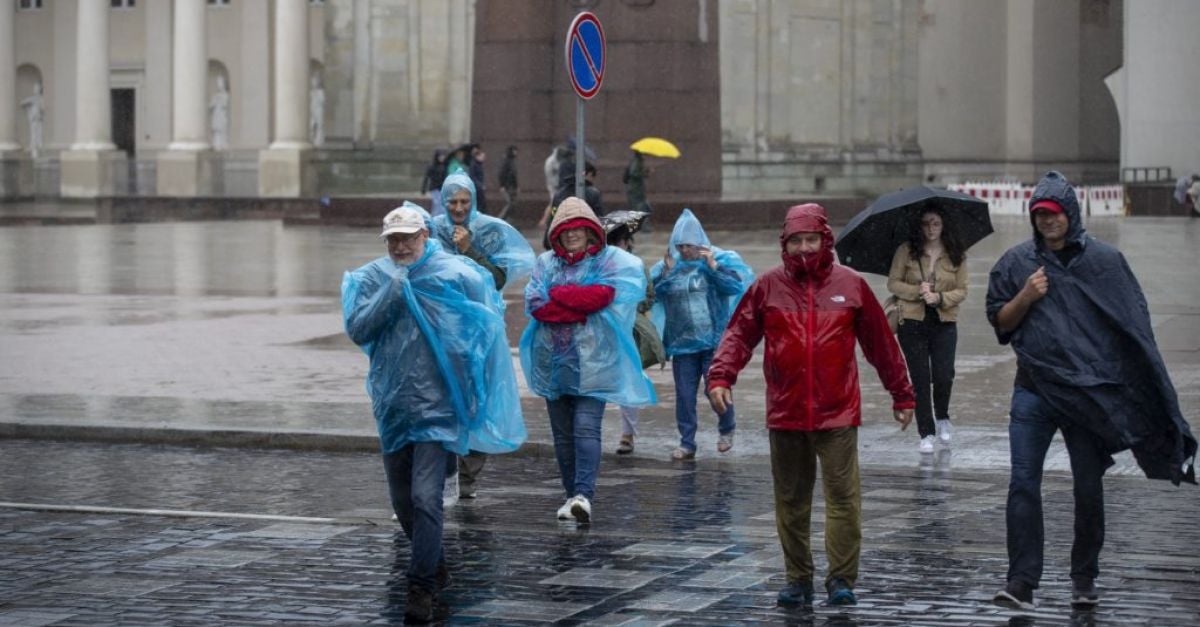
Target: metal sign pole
(580, 151)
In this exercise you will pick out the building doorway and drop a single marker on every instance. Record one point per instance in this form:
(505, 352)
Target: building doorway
(123, 122)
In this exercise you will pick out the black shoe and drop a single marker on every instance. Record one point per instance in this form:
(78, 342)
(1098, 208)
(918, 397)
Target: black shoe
(1084, 595)
(840, 592)
(418, 609)
(1015, 596)
(797, 594)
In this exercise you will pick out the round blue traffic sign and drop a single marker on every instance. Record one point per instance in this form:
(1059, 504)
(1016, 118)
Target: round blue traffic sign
(585, 54)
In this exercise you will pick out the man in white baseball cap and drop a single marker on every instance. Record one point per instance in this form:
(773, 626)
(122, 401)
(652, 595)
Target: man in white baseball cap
(432, 325)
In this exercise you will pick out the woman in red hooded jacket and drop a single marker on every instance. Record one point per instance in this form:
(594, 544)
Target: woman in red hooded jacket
(811, 311)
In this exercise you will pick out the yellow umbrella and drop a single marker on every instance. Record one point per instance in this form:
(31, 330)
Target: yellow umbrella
(656, 147)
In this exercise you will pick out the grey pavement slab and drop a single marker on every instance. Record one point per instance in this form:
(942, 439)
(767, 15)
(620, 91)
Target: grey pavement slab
(513, 563)
(229, 334)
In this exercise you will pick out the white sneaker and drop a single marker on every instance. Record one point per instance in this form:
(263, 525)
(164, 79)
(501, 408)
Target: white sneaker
(943, 432)
(450, 491)
(564, 512)
(927, 445)
(581, 509)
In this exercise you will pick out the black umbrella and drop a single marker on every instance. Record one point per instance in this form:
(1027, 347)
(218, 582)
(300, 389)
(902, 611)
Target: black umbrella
(631, 221)
(870, 240)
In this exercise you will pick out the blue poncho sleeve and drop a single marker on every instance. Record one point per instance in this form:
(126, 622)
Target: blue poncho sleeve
(440, 368)
(597, 358)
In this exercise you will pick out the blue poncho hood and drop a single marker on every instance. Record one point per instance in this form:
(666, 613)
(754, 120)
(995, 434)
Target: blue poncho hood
(692, 303)
(440, 365)
(502, 244)
(1088, 346)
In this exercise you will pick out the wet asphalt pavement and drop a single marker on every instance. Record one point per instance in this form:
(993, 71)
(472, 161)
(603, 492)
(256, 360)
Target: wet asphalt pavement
(229, 334)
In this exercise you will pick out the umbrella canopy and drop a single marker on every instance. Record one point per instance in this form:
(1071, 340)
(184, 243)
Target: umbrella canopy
(656, 147)
(870, 240)
(588, 153)
(630, 220)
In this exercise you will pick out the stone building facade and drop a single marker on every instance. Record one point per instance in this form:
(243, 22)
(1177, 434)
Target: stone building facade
(766, 98)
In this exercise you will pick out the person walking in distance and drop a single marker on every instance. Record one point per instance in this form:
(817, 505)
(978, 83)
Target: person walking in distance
(929, 278)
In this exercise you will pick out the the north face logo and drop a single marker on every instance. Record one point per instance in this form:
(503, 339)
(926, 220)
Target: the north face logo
(838, 299)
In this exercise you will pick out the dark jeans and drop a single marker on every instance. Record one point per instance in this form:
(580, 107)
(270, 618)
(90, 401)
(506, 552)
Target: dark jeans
(575, 422)
(688, 371)
(1031, 427)
(415, 476)
(928, 347)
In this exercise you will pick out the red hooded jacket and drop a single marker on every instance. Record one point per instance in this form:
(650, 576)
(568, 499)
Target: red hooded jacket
(811, 311)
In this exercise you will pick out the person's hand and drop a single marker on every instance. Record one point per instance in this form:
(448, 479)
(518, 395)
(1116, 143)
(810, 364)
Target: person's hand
(1036, 285)
(722, 398)
(706, 255)
(903, 416)
(462, 238)
(668, 261)
(926, 287)
(931, 298)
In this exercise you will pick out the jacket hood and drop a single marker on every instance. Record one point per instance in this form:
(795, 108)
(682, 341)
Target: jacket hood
(574, 210)
(1054, 186)
(807, 218)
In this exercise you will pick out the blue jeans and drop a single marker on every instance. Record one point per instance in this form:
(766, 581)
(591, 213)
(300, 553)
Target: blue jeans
(688, 370)
(575, 422)
(1032, 426)
(415, 476)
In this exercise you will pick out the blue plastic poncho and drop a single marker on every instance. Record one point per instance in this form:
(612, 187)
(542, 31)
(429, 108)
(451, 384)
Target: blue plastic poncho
(598, 358)
(441, 369)
(693, 303)
(497, 240)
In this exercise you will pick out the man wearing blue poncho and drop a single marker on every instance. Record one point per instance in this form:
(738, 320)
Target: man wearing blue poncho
(578, 351)
(441, 379)
(696, 288)
(491, 243)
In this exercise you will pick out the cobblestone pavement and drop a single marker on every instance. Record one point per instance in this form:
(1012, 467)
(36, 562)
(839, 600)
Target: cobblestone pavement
(245, 536)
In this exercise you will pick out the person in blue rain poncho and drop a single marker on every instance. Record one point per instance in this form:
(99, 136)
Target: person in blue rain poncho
(696, 288)
(441, 379)
(578, 351)
(491, 243)
(1088, 365)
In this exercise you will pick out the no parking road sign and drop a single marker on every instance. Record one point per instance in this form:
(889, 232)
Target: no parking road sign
(585, 54)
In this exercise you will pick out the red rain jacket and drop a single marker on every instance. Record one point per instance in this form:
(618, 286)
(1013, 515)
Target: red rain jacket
(811, 311)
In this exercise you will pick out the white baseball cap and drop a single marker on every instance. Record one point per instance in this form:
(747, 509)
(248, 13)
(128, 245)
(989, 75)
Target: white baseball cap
(402, 220)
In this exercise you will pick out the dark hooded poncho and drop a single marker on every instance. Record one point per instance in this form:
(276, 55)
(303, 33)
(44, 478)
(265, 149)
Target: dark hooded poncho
(1087, 345)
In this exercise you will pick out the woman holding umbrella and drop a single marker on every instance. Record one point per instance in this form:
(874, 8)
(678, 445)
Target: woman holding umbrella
(929, 278)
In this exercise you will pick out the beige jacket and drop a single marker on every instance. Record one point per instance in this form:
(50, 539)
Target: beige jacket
(905, 277)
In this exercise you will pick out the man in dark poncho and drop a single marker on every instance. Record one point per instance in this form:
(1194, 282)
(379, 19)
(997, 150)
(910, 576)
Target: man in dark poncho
(1087, 364)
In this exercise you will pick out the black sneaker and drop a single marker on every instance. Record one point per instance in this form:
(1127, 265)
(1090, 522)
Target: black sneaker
(1084, 594)
(1015, 596)
(840, 593)
(797, 594)
(418, 609)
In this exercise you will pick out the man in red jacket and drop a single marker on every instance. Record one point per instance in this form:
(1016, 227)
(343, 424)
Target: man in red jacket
(811, 311)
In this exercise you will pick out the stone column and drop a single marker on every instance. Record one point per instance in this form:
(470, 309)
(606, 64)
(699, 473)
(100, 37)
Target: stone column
(16, 171)
(186, 167)
(91, 167)
(284, 169)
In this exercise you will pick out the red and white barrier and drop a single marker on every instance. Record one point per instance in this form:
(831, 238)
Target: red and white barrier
(1012, 199)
